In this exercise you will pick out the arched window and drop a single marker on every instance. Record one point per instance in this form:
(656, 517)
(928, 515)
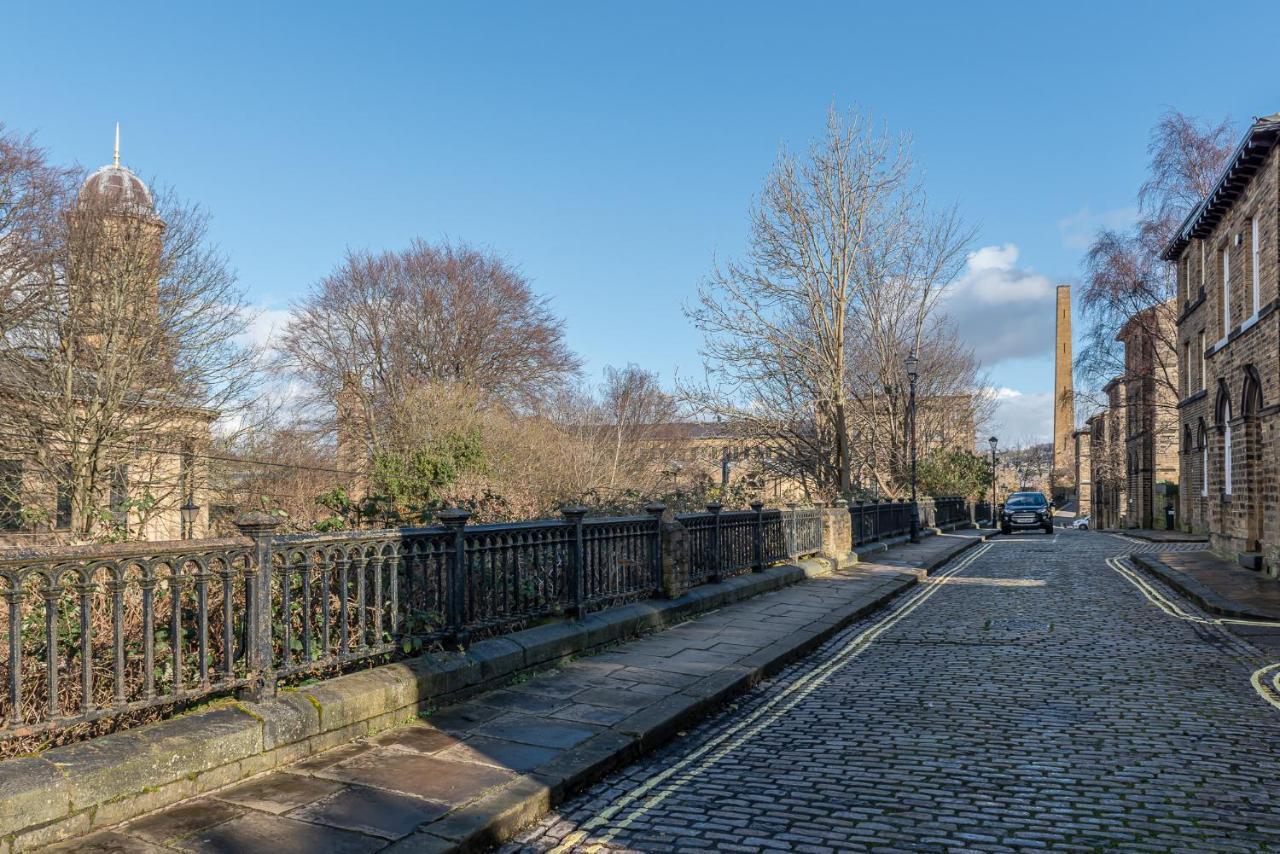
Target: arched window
(1251, 394)
(1224, 424)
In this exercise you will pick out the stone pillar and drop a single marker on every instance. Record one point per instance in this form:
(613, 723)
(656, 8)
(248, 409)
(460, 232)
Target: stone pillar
(675, 557)
(837, 531)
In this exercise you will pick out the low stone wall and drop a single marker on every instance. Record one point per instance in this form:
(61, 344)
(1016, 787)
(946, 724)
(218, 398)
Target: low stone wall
(71, 790)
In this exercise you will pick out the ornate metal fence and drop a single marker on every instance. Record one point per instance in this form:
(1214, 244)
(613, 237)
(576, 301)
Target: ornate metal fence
(802, 528)
(96, 631)
(950, 511)
(878, 520)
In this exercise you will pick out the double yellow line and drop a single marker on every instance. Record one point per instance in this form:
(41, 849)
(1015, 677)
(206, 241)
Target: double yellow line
(1265, 680)
(652, 791)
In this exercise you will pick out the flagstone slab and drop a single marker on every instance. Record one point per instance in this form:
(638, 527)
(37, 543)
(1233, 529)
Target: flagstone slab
(390, 815)
(256, 831)
(427, 777)
(182, 820)
(543, 732)
(279, 792)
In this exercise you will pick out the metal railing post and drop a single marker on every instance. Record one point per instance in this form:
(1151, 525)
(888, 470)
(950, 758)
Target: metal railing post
(577, 572)
(259, 653)
(714, 509)
(455, 519)
(656, 509)
(758, 544)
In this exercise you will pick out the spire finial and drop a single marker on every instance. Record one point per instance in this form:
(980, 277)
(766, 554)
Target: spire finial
(117, 154)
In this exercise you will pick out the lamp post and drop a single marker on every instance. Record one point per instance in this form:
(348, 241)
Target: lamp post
(913, 365)
(190, 511)
(993, 441)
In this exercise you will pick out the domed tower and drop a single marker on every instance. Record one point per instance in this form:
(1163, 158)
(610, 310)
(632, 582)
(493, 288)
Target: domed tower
(115, 243)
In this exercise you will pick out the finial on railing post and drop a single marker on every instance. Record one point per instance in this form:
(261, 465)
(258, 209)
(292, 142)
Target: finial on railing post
(574, 514)
(455, 519)
(656, 509)
(758, 563)
(714, 509)
(259, 652)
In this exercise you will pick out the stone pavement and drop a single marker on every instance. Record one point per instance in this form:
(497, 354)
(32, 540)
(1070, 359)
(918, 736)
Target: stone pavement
(469, 775)
(1036, 698)
(1217, 585)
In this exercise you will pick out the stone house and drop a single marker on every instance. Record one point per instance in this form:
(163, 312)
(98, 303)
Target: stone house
(1150, 416)
(1225, 256)
(1107, 475)
(1081, 441)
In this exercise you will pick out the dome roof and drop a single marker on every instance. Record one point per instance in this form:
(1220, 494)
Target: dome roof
(115, 185)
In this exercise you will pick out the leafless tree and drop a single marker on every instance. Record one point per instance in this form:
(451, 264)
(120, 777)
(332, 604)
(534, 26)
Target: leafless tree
(1125, 281)
(844, 268)
(120, 350)
(384, 324)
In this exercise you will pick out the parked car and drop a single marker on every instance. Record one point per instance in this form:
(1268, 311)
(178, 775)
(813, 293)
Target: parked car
(1025, 510)
(1081, 524)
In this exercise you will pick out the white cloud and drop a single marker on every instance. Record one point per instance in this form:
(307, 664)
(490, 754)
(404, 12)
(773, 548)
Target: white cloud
(1079, 229)
(1002, 310)
(1022, 418)
(265, 327)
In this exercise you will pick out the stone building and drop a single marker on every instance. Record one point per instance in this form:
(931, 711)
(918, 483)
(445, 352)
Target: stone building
(1225, 255)
(1150, 416)
(142, 489)
(1081, 440)
(1107, 476)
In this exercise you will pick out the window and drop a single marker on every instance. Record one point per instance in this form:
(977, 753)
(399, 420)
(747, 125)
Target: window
(120, 496)
(1224, 417)
(1254, 271)
(1186, 368)
(1201, 346)
(11, 495)
(1202, 266)
(1226, 291)
(1204, 460)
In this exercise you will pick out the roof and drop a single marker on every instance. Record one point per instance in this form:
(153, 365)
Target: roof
(116, 185)
(1241, 167)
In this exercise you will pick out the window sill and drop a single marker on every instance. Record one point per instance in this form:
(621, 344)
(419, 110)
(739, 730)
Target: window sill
(1253, 318)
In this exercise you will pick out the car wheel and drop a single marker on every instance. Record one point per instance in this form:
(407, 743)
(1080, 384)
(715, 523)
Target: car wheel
(1048, 529)
(1006, 531)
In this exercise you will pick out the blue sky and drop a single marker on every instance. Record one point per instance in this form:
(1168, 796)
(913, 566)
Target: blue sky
(611, 150)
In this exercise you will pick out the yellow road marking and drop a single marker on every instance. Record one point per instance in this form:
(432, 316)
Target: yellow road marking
(716, 748)
(1267, 690)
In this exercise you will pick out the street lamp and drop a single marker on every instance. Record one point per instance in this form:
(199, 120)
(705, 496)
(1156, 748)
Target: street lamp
(190, 512)
(913, 365)
(993, 441)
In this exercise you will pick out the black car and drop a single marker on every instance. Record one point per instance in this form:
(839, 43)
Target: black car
(1024, 510)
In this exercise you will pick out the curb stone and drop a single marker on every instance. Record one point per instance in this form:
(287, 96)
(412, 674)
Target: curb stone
(1202, 595)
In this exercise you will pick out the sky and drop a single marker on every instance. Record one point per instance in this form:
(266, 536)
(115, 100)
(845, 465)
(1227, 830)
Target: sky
(611, 151)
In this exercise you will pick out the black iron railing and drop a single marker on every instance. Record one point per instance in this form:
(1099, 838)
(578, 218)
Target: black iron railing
(878, 520)
(96, 631)
(950, 510)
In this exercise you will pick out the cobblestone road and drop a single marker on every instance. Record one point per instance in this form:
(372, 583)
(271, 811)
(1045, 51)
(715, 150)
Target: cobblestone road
(1035, 699)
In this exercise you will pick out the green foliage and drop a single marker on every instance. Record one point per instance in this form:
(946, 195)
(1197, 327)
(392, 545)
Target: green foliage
(409, 486)
(954, 471)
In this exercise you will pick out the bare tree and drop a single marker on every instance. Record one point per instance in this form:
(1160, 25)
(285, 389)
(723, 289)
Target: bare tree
(384, 324)
(842, 275)
(122, 352)
(1125, 282)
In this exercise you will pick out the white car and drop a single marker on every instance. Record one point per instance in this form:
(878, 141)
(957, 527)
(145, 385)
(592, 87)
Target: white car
(1081, 524)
